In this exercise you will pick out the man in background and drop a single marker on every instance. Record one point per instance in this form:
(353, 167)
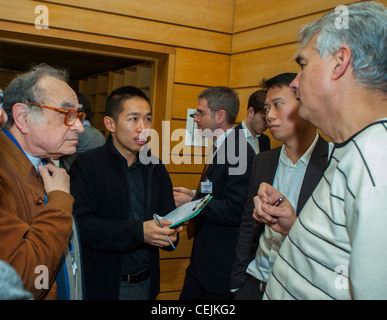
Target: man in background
(255, 123)
(216, 227)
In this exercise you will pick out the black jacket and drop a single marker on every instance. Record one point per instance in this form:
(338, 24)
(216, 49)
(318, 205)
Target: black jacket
(264, 143)
(216, 228)
(263, 170)
(107, 230)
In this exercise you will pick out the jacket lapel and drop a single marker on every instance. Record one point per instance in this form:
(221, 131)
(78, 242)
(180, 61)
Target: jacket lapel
(314, 172)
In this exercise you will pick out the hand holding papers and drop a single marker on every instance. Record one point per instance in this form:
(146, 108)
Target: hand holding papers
(186, 211)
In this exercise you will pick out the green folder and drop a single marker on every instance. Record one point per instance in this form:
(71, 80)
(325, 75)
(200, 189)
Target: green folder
(186, 211)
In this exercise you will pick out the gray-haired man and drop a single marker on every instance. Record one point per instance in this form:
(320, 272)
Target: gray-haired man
(333, 250)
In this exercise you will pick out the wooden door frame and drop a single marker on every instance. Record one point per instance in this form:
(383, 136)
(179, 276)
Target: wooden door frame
(163, 57)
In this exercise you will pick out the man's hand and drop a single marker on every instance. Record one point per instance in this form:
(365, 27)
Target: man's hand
(54, 178)
(156, 236)
(280, 218)
(182, 195)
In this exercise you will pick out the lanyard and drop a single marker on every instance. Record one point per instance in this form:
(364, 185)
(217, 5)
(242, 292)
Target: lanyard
(9, 135)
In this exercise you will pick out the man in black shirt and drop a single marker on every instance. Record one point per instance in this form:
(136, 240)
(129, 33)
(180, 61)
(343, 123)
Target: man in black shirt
(116, 196)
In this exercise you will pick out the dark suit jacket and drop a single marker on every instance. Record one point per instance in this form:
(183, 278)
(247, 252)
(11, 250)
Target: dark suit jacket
(216, 228)
(264, 143)
(264, 169)
(263, 140)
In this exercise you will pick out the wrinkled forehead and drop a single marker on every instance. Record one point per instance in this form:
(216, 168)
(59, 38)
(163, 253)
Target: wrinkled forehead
(57, 93)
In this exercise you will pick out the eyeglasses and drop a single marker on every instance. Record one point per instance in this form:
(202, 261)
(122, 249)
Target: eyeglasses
(198, 114)
(70, 115)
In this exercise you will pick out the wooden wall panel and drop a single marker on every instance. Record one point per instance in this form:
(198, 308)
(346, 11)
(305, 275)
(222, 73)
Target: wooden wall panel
(248, 69)
(95, 22)
(216, 15)
(187, 180)
(202, 68)
(174, 295)
(186, 163)
(185, 97)
(271, 35)
(244, 95)
(251, 14)
(172, 273)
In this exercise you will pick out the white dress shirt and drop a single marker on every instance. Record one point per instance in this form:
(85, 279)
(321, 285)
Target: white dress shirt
(288, 180)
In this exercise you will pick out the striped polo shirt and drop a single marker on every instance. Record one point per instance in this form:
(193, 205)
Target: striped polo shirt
(337, 248)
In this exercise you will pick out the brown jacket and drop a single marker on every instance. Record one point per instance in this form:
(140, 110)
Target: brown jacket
(32, 234)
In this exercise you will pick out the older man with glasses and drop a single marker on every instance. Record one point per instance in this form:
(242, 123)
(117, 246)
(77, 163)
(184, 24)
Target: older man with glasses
(35, 203)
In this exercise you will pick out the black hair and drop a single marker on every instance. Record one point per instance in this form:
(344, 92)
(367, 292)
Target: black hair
(86, 107)
(257, 100)
(280, 80)
(114, 103)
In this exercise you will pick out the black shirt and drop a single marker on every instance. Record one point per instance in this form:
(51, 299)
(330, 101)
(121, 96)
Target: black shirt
(137, 260)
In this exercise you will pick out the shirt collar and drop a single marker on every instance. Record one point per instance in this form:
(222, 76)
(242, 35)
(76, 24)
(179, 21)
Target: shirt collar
(219, 141)
(247, 131)
(304, 159)
(34, 160)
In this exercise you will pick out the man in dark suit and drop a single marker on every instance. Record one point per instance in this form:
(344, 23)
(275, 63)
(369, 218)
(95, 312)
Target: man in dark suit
(255, 122)
(226, 178)
(295, 168)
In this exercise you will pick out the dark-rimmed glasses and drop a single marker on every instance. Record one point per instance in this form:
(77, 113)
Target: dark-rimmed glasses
(70, 115)
(198, 114)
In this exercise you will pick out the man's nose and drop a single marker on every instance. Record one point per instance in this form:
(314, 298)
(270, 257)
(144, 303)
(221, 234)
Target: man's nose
(294, 84)
(78, 126)
(141, 125)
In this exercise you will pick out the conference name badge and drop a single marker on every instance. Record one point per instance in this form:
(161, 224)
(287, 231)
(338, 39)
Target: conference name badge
(206, 187)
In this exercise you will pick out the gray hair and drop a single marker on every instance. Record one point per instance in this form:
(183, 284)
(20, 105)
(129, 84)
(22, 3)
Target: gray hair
(222, 98)
(366, 35)
(24, 88)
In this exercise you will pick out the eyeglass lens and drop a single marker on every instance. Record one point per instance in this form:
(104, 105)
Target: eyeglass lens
(72, 116)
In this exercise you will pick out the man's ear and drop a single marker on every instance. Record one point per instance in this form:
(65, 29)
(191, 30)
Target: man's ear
(342, 58)
(20, 115)
(109, 124)
(221, 116)
(250, 112)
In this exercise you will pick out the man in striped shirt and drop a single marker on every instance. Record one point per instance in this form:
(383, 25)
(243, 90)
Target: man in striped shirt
(335, 249)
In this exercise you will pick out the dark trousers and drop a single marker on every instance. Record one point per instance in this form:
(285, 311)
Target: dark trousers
(249, 291)
(135, 291)
(192, 290)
